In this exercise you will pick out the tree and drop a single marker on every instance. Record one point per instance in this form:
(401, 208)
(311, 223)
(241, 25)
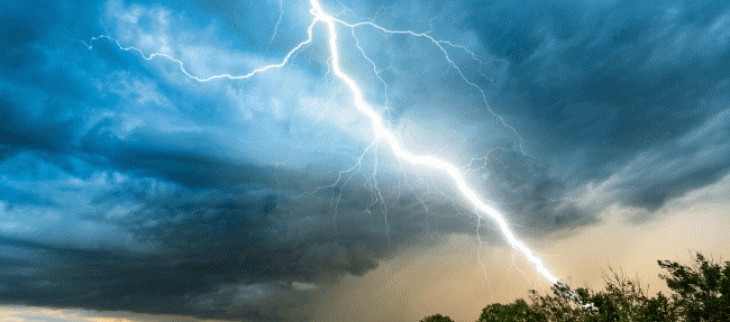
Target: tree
(437, 318)
(659, 308)
(701, 291)
(622, 300)
(515, 312)
(563, 305)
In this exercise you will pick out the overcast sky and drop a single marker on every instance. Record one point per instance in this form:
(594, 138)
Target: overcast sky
(600, 129)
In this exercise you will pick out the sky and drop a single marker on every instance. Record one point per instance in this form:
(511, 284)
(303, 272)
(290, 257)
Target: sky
(132, 191)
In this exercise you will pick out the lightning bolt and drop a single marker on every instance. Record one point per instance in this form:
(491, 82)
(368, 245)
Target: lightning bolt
(379, 129)
(381, 132)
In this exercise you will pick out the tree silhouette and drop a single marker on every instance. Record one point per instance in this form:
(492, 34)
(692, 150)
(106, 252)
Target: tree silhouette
(700, 293)
(437, 318)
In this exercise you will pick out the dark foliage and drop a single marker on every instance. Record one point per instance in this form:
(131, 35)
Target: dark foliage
(437, 318)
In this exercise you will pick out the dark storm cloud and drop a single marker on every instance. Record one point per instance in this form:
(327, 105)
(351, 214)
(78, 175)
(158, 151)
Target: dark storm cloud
(670, 170)
(534, 199)
(126, 186)
(603, 82)
(119, 192)
(236, 254)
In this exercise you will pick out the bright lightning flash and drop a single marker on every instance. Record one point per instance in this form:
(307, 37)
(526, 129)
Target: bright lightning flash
(382, 133)
(379, 129)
